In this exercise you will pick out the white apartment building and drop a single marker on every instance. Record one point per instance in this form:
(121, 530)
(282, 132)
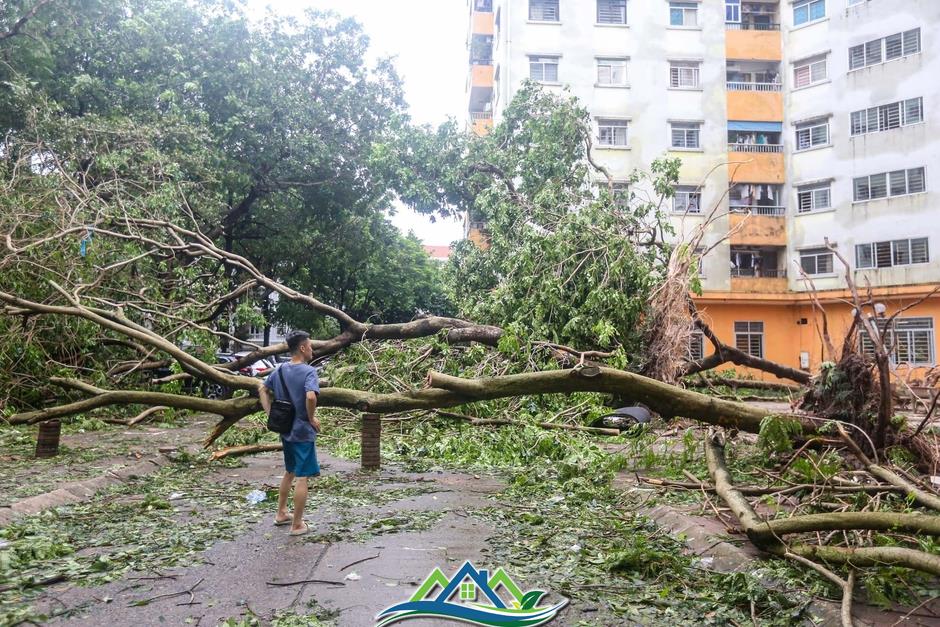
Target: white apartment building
(806, 120)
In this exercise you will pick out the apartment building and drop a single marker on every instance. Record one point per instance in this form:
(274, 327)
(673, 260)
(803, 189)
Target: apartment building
(804, 120)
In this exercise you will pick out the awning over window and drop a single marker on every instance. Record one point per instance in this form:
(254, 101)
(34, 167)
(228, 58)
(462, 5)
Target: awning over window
(766, 127)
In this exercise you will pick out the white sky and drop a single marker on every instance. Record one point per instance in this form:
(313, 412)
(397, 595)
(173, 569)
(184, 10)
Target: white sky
(427, 38)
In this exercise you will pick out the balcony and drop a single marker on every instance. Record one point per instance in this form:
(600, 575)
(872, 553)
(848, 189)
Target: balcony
(480, 88)
(751, 86)
(481, 50)
(755, 136)
(763, 199)
(759, 210)
(757, 269)
(744, 147)
(756, 34)
(753, 273)
(752, 26)
(755, 15)
(755, 153)
(481, 122)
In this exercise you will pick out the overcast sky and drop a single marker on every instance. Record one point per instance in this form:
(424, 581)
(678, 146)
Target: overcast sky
(427, 38)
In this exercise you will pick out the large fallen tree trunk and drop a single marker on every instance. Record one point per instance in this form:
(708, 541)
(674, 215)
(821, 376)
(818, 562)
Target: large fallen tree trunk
(766, 535)
(449, 391)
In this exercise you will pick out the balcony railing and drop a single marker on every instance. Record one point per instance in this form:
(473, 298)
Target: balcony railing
(752, 26)
(736, 147)
(763, 273)
(759, 210)
(481, 115)
(740, 86)
(483, 6)
(481, 59)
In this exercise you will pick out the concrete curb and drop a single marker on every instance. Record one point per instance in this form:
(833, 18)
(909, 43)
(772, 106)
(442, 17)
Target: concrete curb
(706, 540)
(79, 491)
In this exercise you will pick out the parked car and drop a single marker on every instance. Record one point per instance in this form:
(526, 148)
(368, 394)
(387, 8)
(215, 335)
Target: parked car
(218, 391)
(258, 369)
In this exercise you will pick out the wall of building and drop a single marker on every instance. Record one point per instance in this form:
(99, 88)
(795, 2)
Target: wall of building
(648, 102)
(849, 223)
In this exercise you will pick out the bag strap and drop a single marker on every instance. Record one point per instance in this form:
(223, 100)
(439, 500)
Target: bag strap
(284, 383)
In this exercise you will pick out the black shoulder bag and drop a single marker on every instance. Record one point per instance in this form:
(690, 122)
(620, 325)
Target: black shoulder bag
(281, 416)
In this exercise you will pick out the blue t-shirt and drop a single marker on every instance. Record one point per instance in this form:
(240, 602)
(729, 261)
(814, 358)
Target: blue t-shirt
(300, 379)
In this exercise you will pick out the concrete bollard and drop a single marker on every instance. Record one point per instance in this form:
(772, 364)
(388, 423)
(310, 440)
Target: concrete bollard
(371, 441)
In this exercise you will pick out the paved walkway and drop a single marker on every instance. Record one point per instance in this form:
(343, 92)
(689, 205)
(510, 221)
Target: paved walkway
(234, 581)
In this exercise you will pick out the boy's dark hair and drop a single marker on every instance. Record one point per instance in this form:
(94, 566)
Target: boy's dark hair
(295, 339)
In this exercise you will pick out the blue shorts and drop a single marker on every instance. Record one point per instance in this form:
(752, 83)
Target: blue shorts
(300, 458)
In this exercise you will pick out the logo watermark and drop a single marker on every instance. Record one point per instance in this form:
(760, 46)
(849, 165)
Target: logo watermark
(458, 600)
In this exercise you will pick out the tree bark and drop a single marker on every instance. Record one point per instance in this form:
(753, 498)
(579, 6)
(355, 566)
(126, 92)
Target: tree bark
(766, 535)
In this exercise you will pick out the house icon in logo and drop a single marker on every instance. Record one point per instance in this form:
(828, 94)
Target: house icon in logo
(521, 611)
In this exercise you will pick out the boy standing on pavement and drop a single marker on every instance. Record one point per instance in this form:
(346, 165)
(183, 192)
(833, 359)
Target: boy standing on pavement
(297, 381)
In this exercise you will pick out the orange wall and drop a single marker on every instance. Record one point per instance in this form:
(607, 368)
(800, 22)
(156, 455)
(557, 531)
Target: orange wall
(755, 106)
(481, 76)
(482, 24)
(762, 285)
(784, 339)
(758, 230)
(479, 238)
(482, 127)
(746, 45)
(756, 167)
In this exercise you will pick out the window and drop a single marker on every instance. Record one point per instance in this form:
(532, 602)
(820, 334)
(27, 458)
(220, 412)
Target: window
(811, 134)
(805, 11)
(683, 13)
(887, 117)
(686, 134)
(612, 132)
(899, 252)
(897, 183)
(696, 346)
(687, 199)
(700, 261)
(611, 11)
(611, 71)
(468, 591)
(543, 69)
(811, 198)
(684, 74)
(910, 341)
(914, 341)
(749, 338)
(621, 194)
(733, 11)
(854, 2)
(816, 261)
(810, 71)
(543, 10)
(885, 49)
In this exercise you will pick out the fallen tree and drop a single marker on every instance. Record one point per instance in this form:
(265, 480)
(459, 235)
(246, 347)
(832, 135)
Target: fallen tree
(769, 535)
